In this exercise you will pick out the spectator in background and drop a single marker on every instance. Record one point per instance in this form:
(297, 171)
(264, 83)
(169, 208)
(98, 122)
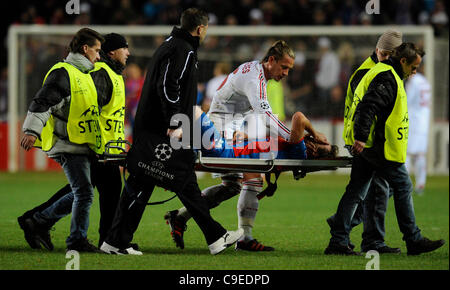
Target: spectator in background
(84, 18)
(439, 19)
(151, 9)
(256, 17)
(57, 17)
(301, 13)
(170, 14)
(418, 92)
(134, 79)
(243, 12)
(327, 76)
(221, 70)
(300, 82)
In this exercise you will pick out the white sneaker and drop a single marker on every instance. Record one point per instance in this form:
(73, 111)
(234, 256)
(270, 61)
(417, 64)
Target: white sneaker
(107, 248)
(225, 241)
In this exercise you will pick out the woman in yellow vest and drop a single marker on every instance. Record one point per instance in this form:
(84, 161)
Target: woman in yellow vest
(108, 80)
(63, 120)
(382, 102)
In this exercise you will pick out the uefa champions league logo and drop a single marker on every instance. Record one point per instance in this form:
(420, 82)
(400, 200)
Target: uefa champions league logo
(163, 152)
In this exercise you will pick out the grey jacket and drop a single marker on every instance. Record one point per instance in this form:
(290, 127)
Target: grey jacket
(54, 99)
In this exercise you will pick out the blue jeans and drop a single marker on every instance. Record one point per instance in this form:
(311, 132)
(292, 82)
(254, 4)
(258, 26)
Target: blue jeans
(356, 191)
(78, 172)
(375, 206)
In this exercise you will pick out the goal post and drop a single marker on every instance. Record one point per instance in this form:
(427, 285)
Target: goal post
(30, 49)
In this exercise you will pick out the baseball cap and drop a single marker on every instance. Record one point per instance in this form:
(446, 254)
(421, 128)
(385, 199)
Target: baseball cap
(113, 41)
(389, 40)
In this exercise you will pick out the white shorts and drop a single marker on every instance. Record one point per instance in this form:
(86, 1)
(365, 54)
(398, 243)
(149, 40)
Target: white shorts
(417, 143)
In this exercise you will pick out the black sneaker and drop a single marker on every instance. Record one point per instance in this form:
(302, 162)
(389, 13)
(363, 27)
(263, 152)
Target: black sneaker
(177, 227)
(30, 236)
(336, 249)
(423, 245)
(40, 232)
(84, 246)
(384, 250)
(253, 246)
(330, 221)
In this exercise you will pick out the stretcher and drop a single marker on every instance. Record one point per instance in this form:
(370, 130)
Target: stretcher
(299, 167)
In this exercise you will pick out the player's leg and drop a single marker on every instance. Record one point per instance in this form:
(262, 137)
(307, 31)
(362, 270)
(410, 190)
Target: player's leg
(247, 208)
(420, 173)
(214, 195)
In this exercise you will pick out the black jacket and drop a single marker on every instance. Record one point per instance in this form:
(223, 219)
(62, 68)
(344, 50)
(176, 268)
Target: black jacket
(378, 102)
(170, 85)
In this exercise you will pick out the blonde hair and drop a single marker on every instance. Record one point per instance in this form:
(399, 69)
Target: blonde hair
(278, 50)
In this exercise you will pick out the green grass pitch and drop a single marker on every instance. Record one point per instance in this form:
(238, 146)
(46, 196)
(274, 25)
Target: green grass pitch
(292, 221)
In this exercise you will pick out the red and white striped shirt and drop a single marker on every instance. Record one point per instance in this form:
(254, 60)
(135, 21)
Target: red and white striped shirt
(244, 92)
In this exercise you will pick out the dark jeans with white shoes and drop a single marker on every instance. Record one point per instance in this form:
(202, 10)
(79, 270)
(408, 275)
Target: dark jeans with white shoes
(133, 202)
(360, 179)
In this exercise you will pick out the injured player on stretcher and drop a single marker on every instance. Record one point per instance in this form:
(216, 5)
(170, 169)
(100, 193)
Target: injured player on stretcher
(305, 142)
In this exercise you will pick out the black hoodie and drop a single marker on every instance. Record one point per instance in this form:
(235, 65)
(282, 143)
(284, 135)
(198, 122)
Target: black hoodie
(170, 85)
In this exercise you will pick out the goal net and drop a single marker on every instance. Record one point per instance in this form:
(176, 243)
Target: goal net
(315, 88)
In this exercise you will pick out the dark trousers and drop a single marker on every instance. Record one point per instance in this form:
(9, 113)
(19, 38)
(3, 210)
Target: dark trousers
(360, 180)
(134, 199)
(374, 213)
(107, 179)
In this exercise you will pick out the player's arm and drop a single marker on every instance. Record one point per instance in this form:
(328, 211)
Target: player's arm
(256, 92)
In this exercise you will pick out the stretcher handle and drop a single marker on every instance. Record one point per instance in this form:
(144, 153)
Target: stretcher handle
(269, 163)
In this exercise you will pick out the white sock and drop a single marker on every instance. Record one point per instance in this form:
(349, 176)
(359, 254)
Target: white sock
(420, 171)
(248, 205)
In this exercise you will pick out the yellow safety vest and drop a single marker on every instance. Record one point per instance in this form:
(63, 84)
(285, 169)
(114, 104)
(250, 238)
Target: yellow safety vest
(112, 116)
(83, 120)
(397, 124)
(367, 64)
